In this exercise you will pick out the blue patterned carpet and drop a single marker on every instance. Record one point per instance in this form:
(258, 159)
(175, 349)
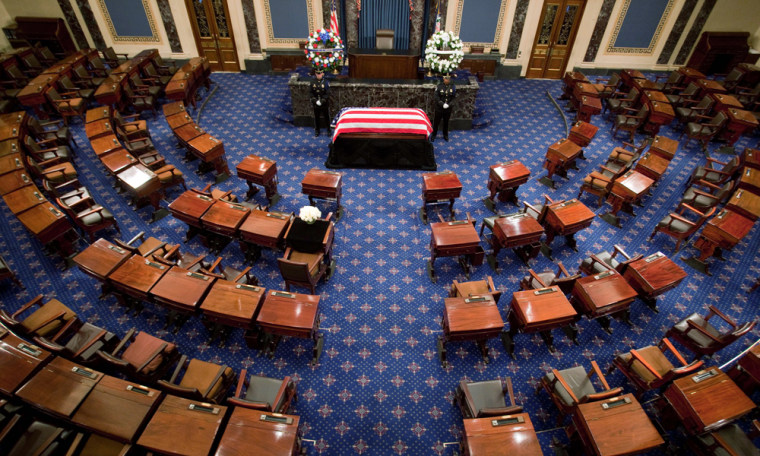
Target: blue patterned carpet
(379, 388)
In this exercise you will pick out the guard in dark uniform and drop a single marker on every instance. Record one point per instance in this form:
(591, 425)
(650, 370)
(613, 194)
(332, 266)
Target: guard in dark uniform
(320, 100)
(444, 97)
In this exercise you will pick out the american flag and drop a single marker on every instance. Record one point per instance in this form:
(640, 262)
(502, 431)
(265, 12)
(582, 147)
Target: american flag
(334, 19)
(383, 120)
(437, 16)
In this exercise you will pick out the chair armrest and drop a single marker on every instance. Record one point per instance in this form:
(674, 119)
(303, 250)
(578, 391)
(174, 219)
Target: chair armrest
(111, 359)
(564, 384)
(180, 364)
(92, 210)
(601, 396)
(596, 259)
(180, 390)
(695, 366)
(496, 411)
(665, 344)
(704, 183)
(693, 326)
(724, 317)
(98, 337)
(242, 381)
(150, 359)
(595, 369)
(535, 277)
(242, 274)
(619, 249)
(266, 406)
(48, 344)
(635, 356)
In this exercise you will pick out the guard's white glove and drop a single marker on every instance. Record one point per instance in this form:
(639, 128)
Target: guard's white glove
(445, 106)
(319, 103)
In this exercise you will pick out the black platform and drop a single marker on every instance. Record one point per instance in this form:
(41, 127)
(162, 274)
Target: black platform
(381, 152)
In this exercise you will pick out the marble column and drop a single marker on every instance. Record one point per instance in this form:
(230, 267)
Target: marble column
(696, 29)
(517, 28)
(251, 28)
(352, 26)
(71, 19)
(599, 28)
(416, 25)
(676, 31)
(92, 24)
(169, 25)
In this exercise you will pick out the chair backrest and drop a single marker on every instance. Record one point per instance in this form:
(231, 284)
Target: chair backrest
(110, 54)
(633, 94)
(293, 271)
(15, 72)
(150, 70)
(384, 39)
(66, 82)
(31, 144)
(732, 165)
(46, 53)
(643, 113)
(31, 61)
(690, 90)
(718, 120)
(705, 103)
(674, 78)
(81, 71)
(724, 192)
(134, 78)
(734, 75)
(52, 94)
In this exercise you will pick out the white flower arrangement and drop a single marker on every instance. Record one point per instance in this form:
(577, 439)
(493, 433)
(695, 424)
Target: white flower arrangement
(309, 214)
(444, 52)
(324, 50)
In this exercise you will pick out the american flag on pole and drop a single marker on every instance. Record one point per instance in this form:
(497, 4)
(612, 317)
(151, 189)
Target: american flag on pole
(438, 16)
(383, 120)
(334, 19)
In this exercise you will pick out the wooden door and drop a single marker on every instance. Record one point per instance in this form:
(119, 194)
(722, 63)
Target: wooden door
(554, 38)
(213, 34)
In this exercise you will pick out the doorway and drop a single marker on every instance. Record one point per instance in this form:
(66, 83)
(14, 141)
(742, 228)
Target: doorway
(554, 38)
(210, 20)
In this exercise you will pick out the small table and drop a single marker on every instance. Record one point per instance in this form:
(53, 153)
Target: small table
(263, 229)
(223, 218)
(99, 113)
(560, 157)
(520, 232)
(18, 361)
(13, 180)
(724, 101)
(173, 108)
(181, 427)
(457, 238)
(582, 133)
(439, 187)
(23, 199)
(136, 276)
(505, 178)
(59, 387)
(660, 111)
(570, 79)
(117, 161)
(616, 426)
(98, 128)
(100, 259)
(541, 311)
(664, 147)
(749, 179)
(506, 434)
(181, 291)
(9, 146)
(739, 122)
(600, 295)
(256, 432)
(189, 207)
(708, 86)
(751, 158)
(177, 120)
(323, 184)
(723, 231)
(143, 184)
(652, 276)
(475, 318)
(211, 152)
(186, 133)
(117, 408)
(588, 106)
(690, 75)
(231, 304)
(260, 171)
(293, 315)
(652, 165)
(49, 225)
(104, 145)
(11, 162)
(565, 219)
(626, 191)
(707, 400)
(745, 203)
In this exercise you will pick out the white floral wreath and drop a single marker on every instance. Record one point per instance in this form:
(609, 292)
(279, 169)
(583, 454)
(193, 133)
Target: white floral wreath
(324, 50)
(443, 52)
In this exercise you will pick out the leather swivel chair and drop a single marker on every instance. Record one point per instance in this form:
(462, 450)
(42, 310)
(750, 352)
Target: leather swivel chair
(141, 356)
(47, 320)
(264, 393)
(702, 338)
(486, 398)
(201, 380)
(384, 39)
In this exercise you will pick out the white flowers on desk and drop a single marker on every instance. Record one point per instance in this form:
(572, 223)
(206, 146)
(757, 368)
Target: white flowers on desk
(309, 214)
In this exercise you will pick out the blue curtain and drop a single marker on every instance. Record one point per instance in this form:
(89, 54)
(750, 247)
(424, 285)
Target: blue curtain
(384, 14)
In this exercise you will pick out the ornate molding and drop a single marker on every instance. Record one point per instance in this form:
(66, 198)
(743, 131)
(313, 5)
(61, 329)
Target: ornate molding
(154, 38)
(499, 24)
(270, 29)
(611, 49)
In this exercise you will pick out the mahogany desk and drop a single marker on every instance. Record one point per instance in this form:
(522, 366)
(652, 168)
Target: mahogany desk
(739, 122)
(180, 87)
(642, 84)
(19, 118)
(11, 131)
(565, 219)
(505, 178)
(293, 315)
(588, 106)
(520, 232)
(187, 132)
(323, 184)
(111, 91)
(582, 133)
(723, 231)
(231, 304)
(751, 158)
(750, 179)
(98, 128)
(745, 203)
(49, 225)
(690, 75)
(560, 157)
(59, 387)
(746, 373)
(652, 165)
(570, 79)
(181, 427)
(189, 207)
(626, 191)
(173, 108)
(263, 229)
(117, 161)
(136, 276)
(259, 433)
(600, 295)
(18, 361)
(23, 199)
(181, 292)
(142, 184)
(117, 408)
(457, 238)
(707, 400)
(260, 171)
(101, 258)
(628, 75)
(724, 101)
(9, 146)
(438, 187)
(104, 145)
(99, 113)
(178, 120)
(708, 86)
(506, 434)
(660, 111)
(221, 222)
(11, 162)
(652, 276)
(475, 318)
(211, 152)
(541, 311)
(618, 426)
(13, 180)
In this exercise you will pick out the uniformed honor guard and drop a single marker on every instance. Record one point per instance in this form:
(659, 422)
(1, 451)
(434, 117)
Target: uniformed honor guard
(320, 100)
(444, 97)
